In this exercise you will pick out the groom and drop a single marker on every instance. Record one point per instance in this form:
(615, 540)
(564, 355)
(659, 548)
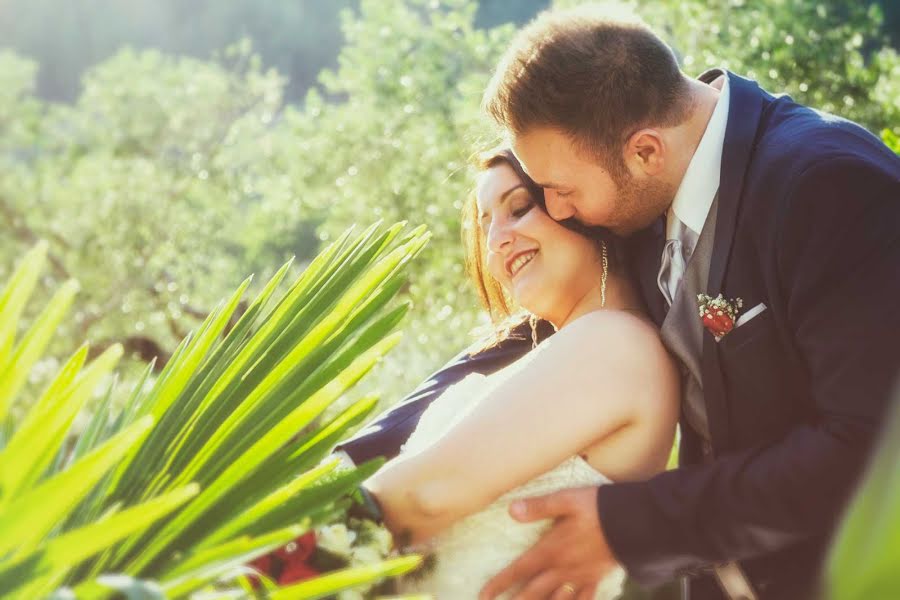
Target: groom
(765, 237)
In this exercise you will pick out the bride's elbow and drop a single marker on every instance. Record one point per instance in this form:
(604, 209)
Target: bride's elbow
(417, 513)
(431, 501)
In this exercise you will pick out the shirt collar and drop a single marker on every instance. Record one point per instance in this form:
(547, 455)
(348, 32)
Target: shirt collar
(698, 188)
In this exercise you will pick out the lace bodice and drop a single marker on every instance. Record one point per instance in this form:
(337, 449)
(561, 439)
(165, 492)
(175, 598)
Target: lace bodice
(479, 546)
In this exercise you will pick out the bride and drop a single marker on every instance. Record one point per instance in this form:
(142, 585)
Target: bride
(595, 402)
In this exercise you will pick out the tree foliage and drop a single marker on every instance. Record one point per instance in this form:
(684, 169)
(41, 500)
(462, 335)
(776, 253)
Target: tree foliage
(170, 177)
(155, 189)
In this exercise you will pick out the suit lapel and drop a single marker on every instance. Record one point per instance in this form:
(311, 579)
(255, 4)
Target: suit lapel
(745, 110)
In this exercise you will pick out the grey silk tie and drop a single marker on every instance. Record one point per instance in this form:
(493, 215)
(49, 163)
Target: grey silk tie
(676, 254)
(671, 270)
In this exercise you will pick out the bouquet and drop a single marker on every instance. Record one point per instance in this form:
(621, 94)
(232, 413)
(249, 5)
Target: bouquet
(354, 543)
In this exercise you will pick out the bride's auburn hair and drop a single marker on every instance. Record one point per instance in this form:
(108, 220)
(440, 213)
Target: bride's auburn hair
(500, 307)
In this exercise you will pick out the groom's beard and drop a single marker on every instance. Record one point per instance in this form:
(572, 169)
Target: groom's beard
(639, 202)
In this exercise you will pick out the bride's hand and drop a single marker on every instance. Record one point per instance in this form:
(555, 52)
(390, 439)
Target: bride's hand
(569, 560)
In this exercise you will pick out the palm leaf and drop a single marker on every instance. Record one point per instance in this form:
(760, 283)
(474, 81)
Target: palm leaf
(31, 515)
(332, 583)
(230, 470)
(12, 301)
(70, 548)
(36, 442)
(33, 343)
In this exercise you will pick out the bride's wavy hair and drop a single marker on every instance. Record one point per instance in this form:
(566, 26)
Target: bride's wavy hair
(503, 312)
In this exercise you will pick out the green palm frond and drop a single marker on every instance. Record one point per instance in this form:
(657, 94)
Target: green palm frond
(216, 462)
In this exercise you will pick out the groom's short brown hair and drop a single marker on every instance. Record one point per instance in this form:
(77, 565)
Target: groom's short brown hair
(596, 77)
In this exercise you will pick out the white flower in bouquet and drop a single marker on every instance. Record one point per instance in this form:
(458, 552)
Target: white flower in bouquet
(376, 536)
(337, 539)
(365, 555)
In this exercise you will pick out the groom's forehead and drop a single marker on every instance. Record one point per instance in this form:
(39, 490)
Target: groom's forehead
(541, 152)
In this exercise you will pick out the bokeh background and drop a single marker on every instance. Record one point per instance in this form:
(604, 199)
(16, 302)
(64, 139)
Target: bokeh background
(167, 148)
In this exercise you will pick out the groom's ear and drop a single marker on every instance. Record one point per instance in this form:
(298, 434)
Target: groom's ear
(644, 152)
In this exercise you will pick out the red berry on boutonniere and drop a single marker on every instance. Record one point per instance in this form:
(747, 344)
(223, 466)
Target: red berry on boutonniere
(717, 314)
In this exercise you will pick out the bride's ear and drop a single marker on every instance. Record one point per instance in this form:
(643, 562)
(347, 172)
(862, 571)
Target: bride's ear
(644, 152)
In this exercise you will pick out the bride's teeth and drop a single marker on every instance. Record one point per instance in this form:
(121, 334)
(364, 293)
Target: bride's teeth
(521, 262)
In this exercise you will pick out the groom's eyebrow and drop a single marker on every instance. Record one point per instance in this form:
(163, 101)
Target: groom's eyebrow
(549, 184)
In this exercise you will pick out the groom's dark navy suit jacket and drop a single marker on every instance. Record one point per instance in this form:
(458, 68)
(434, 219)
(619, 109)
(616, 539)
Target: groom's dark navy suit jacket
(809, 224)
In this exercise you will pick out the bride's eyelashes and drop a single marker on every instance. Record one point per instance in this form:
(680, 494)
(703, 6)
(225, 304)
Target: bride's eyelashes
(518, 208)
(522, 209)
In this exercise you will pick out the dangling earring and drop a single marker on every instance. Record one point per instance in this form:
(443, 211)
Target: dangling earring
(605, 263)
(533, 321)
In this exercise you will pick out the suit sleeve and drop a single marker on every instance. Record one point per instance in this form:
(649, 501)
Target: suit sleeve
(386, 435)
(838, 261)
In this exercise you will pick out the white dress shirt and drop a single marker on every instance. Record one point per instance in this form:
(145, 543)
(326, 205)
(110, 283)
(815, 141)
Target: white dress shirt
(695, 195)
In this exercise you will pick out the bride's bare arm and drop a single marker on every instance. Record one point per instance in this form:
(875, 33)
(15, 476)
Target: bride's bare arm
(605, 374)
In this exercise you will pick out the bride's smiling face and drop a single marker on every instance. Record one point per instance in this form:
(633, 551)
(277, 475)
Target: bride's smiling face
(545, 267)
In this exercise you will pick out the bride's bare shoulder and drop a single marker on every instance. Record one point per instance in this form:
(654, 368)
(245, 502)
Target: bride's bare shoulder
(605, 329)
(617, 340)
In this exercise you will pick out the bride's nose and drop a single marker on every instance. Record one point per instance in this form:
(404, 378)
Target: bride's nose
(500, 235)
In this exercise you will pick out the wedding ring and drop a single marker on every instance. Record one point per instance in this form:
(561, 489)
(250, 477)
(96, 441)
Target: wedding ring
(568, 588)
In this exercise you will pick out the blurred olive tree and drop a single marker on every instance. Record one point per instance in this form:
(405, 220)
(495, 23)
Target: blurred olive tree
(155, 189)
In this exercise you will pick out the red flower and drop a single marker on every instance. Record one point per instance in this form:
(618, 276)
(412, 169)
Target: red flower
(300, 549)
(296, 571)
(718, 314)
(290, 563)
(263, 564)
(295, 557)
(718, 324)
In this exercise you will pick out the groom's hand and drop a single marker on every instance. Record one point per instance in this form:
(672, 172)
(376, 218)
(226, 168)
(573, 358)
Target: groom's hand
(573, 555)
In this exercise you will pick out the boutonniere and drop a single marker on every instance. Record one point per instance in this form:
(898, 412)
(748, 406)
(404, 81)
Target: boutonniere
(718, 314)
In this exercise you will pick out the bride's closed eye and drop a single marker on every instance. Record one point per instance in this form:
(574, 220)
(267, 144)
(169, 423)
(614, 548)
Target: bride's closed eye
(521, 207)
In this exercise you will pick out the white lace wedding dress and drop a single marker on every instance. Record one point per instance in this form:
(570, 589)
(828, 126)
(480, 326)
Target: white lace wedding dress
(470, 552)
